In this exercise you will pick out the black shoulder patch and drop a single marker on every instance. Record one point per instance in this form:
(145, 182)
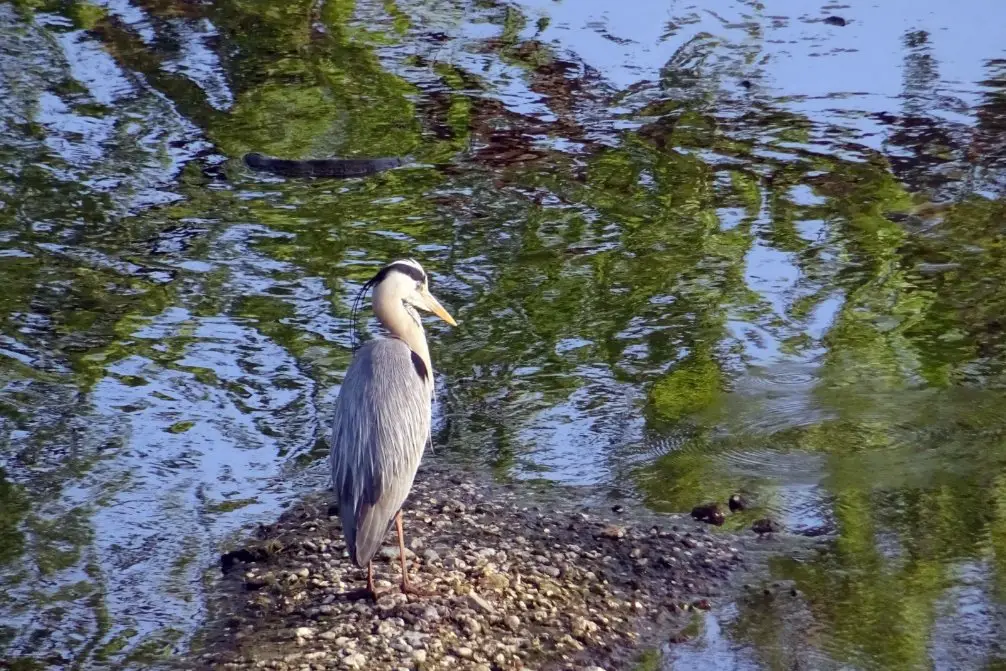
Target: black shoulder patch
(413, 272)
(420, 366)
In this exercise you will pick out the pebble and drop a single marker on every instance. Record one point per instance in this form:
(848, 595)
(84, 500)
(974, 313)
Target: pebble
(582, 627)
(512, 622)
(354, 660)
(612, 531)
(390, 552)
(478, 603)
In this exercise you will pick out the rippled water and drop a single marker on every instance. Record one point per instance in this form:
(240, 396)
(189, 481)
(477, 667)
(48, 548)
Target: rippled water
(691, 250)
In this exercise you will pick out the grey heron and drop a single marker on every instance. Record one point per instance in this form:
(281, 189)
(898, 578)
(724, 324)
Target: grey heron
(382, 415)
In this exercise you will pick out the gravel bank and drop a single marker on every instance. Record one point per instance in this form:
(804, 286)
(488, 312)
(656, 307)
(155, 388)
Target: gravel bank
(521, 580)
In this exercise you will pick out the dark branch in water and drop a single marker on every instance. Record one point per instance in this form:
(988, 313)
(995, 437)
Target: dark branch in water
(340, 168)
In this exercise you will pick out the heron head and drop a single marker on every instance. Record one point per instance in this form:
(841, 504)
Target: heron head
(406, 280)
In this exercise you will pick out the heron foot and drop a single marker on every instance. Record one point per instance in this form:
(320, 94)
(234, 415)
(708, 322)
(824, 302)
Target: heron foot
(415, 590)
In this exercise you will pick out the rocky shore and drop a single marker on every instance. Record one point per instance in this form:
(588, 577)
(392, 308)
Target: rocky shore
(519, 579)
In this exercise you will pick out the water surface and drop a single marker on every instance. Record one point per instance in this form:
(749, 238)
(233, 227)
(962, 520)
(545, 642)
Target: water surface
(691, 252)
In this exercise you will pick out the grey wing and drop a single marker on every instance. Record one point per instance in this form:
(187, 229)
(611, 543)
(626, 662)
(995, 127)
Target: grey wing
(379, 431)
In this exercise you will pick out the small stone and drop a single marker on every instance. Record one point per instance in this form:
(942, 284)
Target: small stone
(480, 604)
(702, 604)
(430, 555)
(835, 21)
(552, 571)
(512, 622)
(613, 531)
(387, 629)
(464, 652)
(355, 660)
(419, 656)
(737, 503)
(304, 632)
(582, 627)
(472, 627)
(391, 553)
(431, 614)
(387, 603)
(415, 638)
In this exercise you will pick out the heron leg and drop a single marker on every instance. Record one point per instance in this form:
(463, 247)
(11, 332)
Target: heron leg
(369, 593)
(407, 588)
(401, 550)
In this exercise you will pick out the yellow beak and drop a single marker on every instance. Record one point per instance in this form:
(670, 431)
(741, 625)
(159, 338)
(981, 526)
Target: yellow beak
(434, 306)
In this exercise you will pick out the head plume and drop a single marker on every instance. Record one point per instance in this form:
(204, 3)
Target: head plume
(409, 267)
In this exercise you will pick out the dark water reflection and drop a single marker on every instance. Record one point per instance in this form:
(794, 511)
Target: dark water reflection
(691, 252)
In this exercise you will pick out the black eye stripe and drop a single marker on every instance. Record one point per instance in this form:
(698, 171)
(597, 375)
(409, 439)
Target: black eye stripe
(411, 271)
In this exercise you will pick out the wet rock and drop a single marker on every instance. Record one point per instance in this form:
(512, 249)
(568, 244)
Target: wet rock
(835, 21)
(766, 526)
(737, 503)
(710, 513)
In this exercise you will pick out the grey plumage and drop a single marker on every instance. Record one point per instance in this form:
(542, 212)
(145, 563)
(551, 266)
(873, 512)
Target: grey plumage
(383, 414)
(379, 430)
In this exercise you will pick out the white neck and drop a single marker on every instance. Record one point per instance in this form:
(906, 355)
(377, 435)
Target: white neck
(401, 322)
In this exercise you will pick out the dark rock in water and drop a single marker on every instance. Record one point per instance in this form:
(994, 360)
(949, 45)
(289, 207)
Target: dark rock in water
(835, 21)
(617, 509)
(746, 83)
(244, 555)
(820, 530)
(766, 526)
(738, 502)
(709, 512)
